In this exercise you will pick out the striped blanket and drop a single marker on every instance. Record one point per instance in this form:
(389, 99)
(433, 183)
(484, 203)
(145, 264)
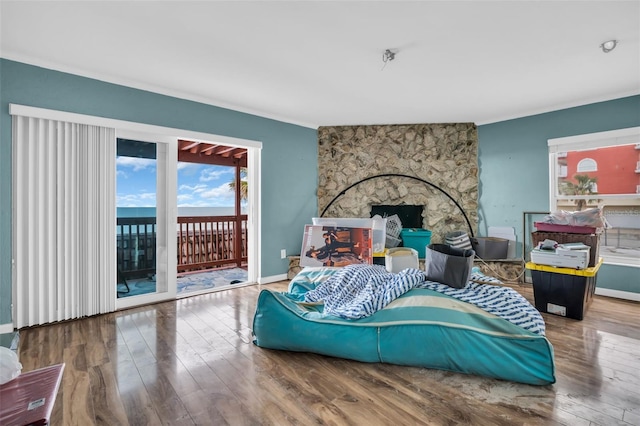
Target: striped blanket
(358, 291)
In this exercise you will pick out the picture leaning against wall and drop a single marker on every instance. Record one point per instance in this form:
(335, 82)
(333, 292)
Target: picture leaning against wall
(336, 246)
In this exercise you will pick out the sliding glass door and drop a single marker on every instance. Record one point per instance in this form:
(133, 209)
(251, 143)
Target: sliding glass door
(136, 176)
(145, 210)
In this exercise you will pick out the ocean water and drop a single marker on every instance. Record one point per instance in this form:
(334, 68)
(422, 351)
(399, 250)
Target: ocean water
(182, 211)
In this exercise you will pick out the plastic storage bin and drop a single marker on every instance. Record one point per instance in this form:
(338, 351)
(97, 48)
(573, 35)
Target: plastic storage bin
(563, 291)
(417, 239)
(490, 247)
(378, 224)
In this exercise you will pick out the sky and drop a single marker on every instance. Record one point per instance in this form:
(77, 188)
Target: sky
(199, 185)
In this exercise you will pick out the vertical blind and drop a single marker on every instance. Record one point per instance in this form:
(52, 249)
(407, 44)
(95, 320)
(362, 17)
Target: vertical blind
(64, 243)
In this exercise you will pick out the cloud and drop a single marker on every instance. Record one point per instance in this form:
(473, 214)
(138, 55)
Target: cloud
(146, 199)
(136, 163)
(210, 174)
(183, 166)
(218, 192)
(194, 188)
(147, 196)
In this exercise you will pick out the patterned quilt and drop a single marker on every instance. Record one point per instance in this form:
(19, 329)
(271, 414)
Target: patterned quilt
(358, 291)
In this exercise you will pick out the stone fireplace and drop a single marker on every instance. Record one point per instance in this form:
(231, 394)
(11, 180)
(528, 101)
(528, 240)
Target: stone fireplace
(444, 155)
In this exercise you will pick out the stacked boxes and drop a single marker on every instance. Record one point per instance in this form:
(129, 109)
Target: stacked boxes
(591, 240)
(565, 291)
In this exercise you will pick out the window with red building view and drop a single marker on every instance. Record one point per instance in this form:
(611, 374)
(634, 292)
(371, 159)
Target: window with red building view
(606, 177)
(614, 170)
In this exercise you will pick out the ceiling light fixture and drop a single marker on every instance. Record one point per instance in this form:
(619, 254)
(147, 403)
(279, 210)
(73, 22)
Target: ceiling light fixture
(387, 56)
(609, 45)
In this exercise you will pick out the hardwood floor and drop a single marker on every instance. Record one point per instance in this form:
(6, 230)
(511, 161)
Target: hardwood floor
(192, 361)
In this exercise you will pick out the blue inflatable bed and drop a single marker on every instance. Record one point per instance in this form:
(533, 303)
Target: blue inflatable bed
(364, 313)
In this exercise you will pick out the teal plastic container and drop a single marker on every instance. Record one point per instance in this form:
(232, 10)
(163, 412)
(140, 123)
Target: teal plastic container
(417, 239)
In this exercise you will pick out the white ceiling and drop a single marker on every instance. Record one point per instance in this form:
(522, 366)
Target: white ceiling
(320, 63)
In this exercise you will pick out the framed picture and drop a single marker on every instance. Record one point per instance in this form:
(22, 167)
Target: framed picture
(336, 246)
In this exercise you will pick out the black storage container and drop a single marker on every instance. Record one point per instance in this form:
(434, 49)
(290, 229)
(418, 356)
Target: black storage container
(563, 291)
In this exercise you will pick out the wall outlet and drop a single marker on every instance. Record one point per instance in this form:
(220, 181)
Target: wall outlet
(283, 254)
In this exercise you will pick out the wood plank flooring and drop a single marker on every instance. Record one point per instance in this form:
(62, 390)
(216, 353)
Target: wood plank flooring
(192, 361)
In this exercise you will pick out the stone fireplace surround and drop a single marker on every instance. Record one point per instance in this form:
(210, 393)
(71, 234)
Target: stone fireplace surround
(445, 155)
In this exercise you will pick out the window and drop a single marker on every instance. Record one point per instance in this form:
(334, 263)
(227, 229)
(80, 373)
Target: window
(136, 189)
(599, 170)
(562, 171)
(587, 165)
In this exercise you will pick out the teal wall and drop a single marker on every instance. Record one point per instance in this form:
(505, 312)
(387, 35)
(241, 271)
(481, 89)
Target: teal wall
(513, 157)
(514, 168)
(621, 278)
(289, 152)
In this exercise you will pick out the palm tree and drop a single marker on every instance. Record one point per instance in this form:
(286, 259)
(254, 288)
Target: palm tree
(244, 188)
(583, 186)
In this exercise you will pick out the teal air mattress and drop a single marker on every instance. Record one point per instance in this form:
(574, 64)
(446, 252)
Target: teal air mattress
(422, 328)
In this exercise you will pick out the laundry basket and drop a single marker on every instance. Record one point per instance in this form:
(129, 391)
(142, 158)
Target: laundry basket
(393, 229)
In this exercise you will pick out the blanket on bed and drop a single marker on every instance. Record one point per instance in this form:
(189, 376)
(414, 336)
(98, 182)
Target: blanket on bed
(357, 291)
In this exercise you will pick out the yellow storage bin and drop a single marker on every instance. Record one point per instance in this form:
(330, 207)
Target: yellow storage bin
(563, 291)
(587, 272)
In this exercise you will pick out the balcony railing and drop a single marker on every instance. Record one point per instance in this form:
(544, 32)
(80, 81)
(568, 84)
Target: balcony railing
(202, 242)
(209, 241)
(136, 243)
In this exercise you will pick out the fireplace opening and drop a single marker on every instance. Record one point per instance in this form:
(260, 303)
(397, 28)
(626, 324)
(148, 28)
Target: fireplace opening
(410, 215)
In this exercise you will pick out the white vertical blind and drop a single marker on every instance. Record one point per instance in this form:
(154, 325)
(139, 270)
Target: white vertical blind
(64, 241)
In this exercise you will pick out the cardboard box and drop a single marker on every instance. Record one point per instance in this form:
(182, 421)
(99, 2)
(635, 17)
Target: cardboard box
(563, 291)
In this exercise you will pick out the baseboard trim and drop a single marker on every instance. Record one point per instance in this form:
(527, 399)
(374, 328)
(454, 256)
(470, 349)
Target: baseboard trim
(272, 279)
(618, 294)
(6, 328)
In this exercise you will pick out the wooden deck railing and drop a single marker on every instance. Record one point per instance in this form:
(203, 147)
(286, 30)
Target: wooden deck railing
(202, 242)
(208, 241)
